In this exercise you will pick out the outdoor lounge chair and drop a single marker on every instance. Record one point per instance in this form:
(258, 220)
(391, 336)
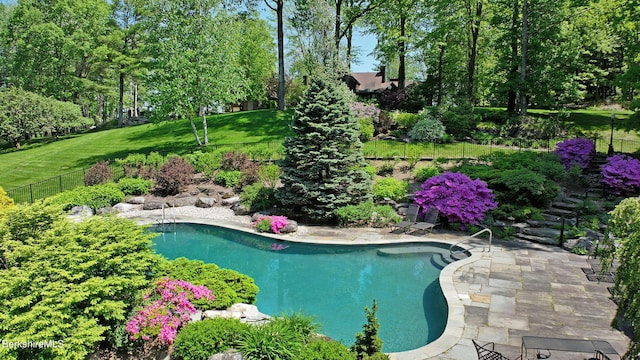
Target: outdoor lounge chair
(430, 221)
(487, 352)
(409, 218)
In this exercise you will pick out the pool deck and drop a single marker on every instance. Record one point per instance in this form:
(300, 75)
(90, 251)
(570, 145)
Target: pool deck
(515, 288)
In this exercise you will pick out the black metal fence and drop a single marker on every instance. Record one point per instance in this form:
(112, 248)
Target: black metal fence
(273, 150)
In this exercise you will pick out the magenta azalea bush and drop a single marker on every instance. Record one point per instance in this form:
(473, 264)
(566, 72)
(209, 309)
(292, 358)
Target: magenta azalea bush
(166, 310)
(621, 175)
(272, 223)
(457, 197)
(577, 151)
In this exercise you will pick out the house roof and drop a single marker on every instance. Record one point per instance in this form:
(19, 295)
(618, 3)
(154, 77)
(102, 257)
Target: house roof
(371, 82)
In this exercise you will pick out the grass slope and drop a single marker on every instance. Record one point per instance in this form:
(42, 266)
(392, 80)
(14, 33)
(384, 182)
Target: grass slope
(39, 161)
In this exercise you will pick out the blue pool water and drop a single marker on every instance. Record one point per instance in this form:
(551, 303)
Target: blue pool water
(331, 283)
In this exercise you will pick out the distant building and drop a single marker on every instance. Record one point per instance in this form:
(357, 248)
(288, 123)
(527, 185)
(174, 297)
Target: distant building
(370, 84)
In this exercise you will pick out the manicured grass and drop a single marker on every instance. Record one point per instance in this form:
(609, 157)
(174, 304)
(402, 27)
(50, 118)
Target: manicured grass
(42, 160)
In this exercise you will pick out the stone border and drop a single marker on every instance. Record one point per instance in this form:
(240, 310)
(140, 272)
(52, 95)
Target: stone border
(455, 319)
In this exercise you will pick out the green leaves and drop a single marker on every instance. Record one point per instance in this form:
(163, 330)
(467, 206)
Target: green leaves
(68, 281)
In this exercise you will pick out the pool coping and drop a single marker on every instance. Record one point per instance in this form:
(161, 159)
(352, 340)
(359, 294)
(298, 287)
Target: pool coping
(454, 327)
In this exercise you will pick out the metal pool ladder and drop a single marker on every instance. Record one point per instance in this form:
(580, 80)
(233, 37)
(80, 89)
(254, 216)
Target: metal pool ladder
(457, 252)
(164, 222)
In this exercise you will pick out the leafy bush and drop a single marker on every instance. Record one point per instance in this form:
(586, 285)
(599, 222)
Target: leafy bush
(405, 120)
(229, 287)
(523, 187)
(367, 342)
(366, 214)
(99, 173)
(576, 151)
(206, 163)
(621, 175)
(269, 174)
(257, 197)
(276, 339)
(370, 170)
(457, 197)
(362, 110)
(427, 129)
(166, 310)
(95, 197)
(423, 173)
(321, 349)
(386, 168)
(460, 121)
(66, 263)
(229, 178)
(272, 224)
(366, 128)
(5, 202)
(174, 174)
(132, 164)
(390, 188)
(135, 186)
(202, 339)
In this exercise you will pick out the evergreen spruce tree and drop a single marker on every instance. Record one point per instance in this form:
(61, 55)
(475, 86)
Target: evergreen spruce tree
(323, 168)
(368, 344)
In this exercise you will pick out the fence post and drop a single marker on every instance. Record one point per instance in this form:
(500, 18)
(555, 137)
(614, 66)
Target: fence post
(31, 193)
(60, 182)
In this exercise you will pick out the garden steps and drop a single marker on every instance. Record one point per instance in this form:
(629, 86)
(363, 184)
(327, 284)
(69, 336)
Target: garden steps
(537, 239)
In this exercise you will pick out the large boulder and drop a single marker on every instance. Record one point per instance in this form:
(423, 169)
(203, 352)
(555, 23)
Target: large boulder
(244, 312)
(291, 227)
(153, 205)
(231, 201)
(136, 200)
(239, 209)
(230, 354)
(125, 207)
(183, 201)
(205, 202)
(82, 210)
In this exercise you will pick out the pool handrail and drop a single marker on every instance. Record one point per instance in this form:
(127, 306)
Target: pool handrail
(453, 253)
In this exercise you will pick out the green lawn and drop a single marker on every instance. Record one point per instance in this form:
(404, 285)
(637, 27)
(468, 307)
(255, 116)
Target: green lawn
(41, 160)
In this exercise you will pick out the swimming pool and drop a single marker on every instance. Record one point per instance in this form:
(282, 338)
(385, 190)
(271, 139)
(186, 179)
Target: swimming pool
(331, 283)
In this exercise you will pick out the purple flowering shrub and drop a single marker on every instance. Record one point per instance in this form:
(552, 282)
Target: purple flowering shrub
(457, 197)
(166, 310)
(621, 175)
(270, 223)
(363, 110)
(577, 151)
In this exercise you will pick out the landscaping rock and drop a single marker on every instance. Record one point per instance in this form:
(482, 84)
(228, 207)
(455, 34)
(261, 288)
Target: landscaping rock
(183, 195)
(125, 207)
(152, 205)
(291, 227)
(227, 355)
(593, 235)
(139, 200)
(105, 210)
(239, 209)
(183, 201)
(585, 243)
(205, 202)
(83, 210)
(245, 312)
(230, 201)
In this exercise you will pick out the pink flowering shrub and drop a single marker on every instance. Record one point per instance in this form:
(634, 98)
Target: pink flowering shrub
(271, 223)
(577, 151)
(621, 175)
(457, 197)
(166, 310)
(363, 110)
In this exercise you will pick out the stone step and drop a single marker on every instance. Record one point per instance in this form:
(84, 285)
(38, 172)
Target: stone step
(537, 239)
(564, 205)
(560, 212)
(541, 232)
(554, 222)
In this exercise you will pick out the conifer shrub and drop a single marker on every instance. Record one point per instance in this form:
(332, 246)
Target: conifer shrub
(368, 343)
(257, 197)
(95, 197)
(202, 339)
(427, 128)
(99, 173)
(621, 175)
(457, 197)
(323, 165)
(5, 202)
(321, 349)
(174, 174)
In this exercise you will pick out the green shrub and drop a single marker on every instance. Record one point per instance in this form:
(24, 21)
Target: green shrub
(228, 286)
(367, 342)
(269, 174)
(427, 129)
(276, 339)
(257, 197)
(99, 173)
(390, 188)
(386, 168)
(404, 120)
(206, 163)
(132, 164)
(229, 178)
(321, 349)
(421, 174)
(5, 202)
(371, 170)
(95, 197)
(135, 186)
(264, 225)
(460, 121)
(366, 214)
(201, 339)
(154, 160)
(366, 128)
(174, 174)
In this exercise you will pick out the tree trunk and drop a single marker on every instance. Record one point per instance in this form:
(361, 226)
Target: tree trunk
(512, 96)
(121, 97)
(401, 52)
(205, 132)
(281, 81)
(474, 20)
(441, 70)
(135, 100)
(523, 66)
(349, 46)
(195, 132)
(338, 25)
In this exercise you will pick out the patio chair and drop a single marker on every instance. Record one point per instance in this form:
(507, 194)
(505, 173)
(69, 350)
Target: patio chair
(487, 352)
(599, 355)
(409, 218)
(430, 221)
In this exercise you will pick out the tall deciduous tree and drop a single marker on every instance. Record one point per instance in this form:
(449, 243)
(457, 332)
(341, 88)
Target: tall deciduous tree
(257, 54)
(323, 168)
(194, 66)
(278, 7)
